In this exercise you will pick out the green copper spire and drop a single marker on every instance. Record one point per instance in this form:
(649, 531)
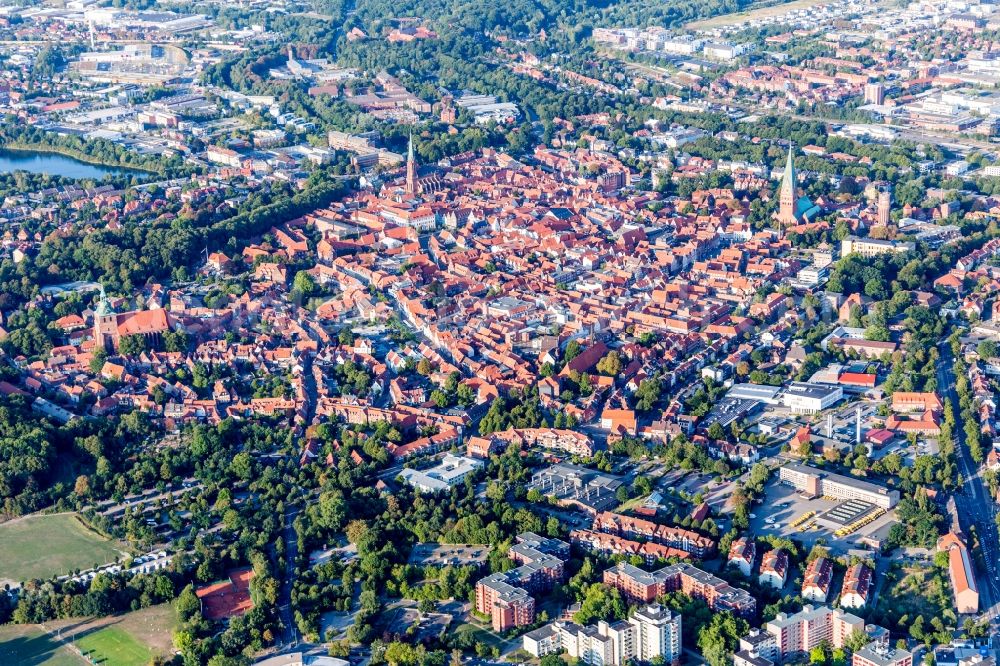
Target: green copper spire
(103, 304)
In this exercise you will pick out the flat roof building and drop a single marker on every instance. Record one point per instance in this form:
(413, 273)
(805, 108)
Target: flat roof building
(801, 632)
(450, 472)
(805, 398)
(877, 654)
(819, 483)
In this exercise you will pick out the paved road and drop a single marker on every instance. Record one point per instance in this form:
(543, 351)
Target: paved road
(973, 501)
(291, 635)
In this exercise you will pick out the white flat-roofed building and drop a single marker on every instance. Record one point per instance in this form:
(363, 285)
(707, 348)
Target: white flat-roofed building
(819, 483)
(450, 472)
(657, 633)
(876, 654)
(769, 395)
(652, 631)
(805, 398)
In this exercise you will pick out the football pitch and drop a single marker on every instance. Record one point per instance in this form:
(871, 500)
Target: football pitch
(113, 646)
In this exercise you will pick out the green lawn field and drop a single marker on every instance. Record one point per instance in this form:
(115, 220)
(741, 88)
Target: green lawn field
(45, 546)
(30, 646)
(112, 646)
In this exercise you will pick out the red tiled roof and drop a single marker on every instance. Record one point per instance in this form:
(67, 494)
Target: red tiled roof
(146, 321)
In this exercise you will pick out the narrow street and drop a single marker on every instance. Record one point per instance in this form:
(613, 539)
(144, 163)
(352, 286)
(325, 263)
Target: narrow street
(291, 636)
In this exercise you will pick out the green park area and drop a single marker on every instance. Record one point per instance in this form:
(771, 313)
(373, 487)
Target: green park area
(42, 546)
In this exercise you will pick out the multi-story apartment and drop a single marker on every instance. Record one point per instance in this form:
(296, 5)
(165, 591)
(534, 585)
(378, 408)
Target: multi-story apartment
(640, 585)
(637, 528)
(742, 554)
(610, 544)
(799, 633)
(757, 648)
(652, 631)
(816, 582)
(508, 605)
(657, 634)
(634, 583)
(774, 569)
(506, 597)
(871, 247)
(857, 584)
(877, 654)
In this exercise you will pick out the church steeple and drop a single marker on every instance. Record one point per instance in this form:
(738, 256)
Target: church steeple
(105, 323)
(411, 169)
(786, 197)
(103, 304)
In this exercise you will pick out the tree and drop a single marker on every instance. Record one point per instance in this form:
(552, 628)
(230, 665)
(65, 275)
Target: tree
(987, 349)
(439, 398)
(82, 486)
(611, 364)
(715, 431)
(304, 284)
(465, 395)
(857, 640)
(346, 337)
(188, 604)
(573, 350)
(718, 639)
(600, 602)
(97, 360)
(131, 345)
(175, 341)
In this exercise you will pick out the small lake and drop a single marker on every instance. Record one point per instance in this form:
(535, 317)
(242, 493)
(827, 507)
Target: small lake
(52, 164)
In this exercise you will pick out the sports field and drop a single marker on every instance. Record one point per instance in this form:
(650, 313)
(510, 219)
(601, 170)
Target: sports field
(42, 546)
(113, 645)
(27, 645)
(150, 628)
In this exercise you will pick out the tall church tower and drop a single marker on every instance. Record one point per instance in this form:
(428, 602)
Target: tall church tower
(105, 324)
(411, 170)
(786, 199)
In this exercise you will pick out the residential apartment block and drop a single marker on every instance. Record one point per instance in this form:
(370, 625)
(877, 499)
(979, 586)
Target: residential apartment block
(742, 554)
(507, 597)
(650, 632)
(877, 654)
(871, 247)
(636, 528)
(774, 569)
(644, 586)
(857, 586)
(817, 579)
(801, 632)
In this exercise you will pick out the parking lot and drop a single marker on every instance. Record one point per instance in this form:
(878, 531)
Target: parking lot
(786, 513)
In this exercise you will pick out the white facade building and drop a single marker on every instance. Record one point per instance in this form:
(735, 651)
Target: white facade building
(652, 631)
